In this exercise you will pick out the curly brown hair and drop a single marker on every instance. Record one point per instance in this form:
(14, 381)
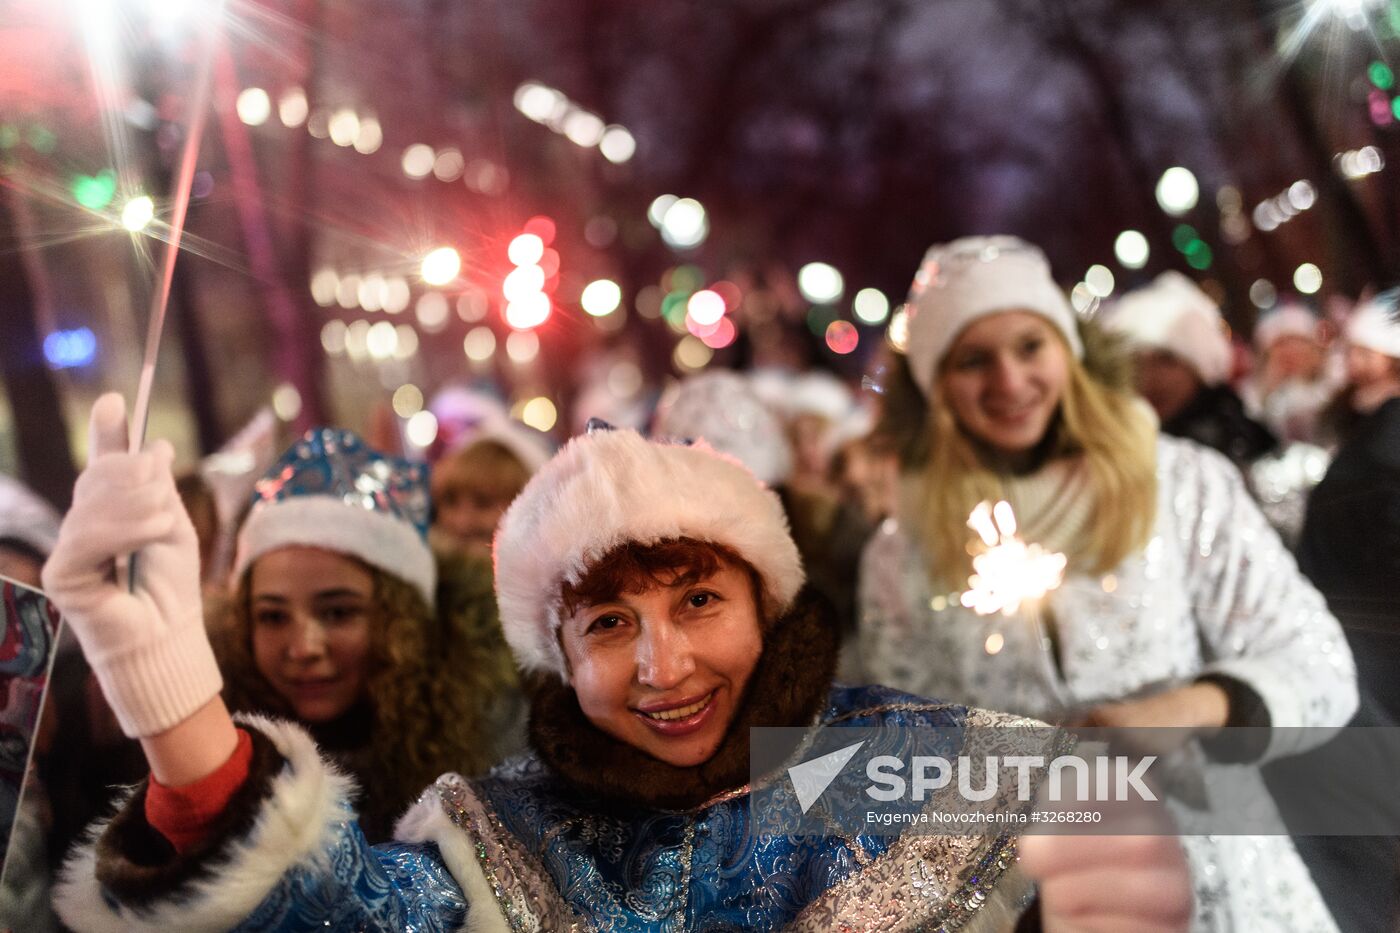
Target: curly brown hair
(435, 686)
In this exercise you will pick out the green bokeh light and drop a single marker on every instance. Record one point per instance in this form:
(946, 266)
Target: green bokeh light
(1199, 255)
(673, 307)
(95, 191)
(1395, 107)
(1381, 75)
(1183, 236)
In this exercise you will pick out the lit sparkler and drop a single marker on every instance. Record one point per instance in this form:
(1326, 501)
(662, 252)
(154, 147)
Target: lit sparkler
(1010, 572)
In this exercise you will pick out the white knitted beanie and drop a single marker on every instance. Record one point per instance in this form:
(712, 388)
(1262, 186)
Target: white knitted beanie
(971, 278)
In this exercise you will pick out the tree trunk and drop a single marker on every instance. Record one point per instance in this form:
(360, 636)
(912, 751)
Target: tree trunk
(41, 436)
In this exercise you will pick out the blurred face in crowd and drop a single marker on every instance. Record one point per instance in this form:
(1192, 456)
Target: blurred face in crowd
(1367, 367)
(471, 491)
(1293, 357)
(808, 432)
(1004, 378)
(311, 612)
(662, 663)
(1167, 382)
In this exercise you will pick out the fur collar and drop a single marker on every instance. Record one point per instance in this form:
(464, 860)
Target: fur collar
(788, 687)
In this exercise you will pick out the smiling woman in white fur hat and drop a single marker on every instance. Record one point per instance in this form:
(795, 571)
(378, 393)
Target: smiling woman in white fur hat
(1180, 606)
(653, 591)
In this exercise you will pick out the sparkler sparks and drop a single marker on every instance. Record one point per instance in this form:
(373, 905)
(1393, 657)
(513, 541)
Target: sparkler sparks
(1010, 572)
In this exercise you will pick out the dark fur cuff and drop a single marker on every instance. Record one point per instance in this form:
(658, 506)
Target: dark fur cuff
(137, 865)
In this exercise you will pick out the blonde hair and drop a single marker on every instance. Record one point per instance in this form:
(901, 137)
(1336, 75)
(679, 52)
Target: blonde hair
(1094, 420)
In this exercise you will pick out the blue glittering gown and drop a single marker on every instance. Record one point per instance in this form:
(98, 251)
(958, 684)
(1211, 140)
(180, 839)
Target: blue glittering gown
(520, 850)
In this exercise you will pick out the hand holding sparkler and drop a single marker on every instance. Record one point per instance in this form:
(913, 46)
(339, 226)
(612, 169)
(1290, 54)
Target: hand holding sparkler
(1010, 572)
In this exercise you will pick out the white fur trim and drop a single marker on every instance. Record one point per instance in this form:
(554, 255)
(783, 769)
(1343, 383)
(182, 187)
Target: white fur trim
(427, 821)
(1173, 314)
(378, 539)
(1376, 329)
(972, 278)
(609, 488)
(297, 824)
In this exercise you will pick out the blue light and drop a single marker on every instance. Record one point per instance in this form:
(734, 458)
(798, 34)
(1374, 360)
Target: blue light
(65, 349)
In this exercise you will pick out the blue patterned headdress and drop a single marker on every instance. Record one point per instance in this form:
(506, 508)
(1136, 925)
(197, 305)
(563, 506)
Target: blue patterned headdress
(332, 491)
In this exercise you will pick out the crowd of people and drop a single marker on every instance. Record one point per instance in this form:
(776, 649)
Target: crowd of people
(514, 690)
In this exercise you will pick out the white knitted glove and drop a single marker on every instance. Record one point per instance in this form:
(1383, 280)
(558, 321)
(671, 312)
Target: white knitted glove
(148, 647)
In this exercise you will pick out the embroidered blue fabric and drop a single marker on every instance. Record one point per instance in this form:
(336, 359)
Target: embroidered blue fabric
(621, 870)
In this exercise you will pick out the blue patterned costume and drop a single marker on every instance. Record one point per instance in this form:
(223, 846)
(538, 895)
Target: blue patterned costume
(521, 850)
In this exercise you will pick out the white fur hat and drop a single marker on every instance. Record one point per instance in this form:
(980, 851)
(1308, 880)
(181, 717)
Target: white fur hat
(610, 487)
(1287, 320)
(723, 409)
(1377, 325)
(971, 278)
(1173, 314)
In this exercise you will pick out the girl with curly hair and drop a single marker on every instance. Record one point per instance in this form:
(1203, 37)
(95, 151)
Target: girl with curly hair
(344, 620)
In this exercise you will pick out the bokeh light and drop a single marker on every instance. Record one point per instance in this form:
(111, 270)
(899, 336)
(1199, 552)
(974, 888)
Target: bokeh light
(539, 413)
(479, 344)
(381, 341)
(286, 401)
(531, 310)
(253, 106)
(1099, 280)
(448, 164)
(685, 224)
(407, 400)
(723, 335)
(617, 145)
(422, 429)
(333, 337)
(601, 297)
(522, 346)
(1177, 191)
(584, 129)
(432, 310)
(347, 291)
(441, 266)
(418, 160)
(656, 212)
(292, 107)
(138, 213)
(820, 283)
(407, 344)
(344, 127)
(1307, 278)
(705, 307)
(691, 354)
(522, 283)
(396, 294)
(1262, 294)
(842, 337)
(370, 137)
(871, 306)
(1132, 249)
(526, 249)
(542, 227)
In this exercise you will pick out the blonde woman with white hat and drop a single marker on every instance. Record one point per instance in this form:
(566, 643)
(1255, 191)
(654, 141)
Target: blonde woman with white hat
(1179, 606)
